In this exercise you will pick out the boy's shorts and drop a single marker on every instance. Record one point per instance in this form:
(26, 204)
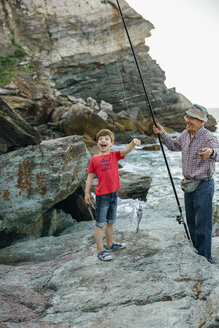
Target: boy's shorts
(106, 208)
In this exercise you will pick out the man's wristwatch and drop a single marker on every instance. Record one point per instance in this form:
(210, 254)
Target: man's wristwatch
(212, 153)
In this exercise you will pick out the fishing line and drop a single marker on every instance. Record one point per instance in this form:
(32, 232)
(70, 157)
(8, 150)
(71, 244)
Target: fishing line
(180, 218)
(119, 71)
(137, 206)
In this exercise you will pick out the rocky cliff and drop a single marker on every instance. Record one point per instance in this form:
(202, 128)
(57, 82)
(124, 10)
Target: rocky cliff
(79, 49)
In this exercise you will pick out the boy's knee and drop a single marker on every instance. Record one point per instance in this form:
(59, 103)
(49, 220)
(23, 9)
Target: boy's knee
(109, 223)
(100, 225)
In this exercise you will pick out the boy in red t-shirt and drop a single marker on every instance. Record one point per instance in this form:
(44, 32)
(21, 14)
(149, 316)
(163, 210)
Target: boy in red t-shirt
(105, 167)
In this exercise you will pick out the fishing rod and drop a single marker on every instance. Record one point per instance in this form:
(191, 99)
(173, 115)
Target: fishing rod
(179, 218)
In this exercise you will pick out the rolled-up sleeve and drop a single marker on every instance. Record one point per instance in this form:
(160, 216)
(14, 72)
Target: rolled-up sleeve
(214, 144)
(170, 143)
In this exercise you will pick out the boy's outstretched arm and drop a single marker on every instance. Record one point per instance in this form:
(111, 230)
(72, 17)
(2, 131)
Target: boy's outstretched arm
(131, 145)
(89, 182)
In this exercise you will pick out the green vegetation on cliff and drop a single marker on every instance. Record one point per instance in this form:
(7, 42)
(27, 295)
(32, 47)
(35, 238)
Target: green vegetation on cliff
(10, 65)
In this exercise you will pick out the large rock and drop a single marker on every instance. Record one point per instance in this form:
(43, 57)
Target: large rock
(134, 185)
(127, 136)
(14, 130)
(35, 178)
(157, 281)
(80, 119)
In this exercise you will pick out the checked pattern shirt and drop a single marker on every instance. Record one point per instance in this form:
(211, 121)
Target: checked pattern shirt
(193, 167)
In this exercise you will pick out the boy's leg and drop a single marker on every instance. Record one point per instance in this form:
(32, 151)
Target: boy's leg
(102, 254)
(98, 235)
(111, 219)
(109, 234)
(102, 206)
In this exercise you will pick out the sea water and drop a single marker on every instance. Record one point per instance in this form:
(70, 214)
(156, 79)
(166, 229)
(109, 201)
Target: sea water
(160, 199)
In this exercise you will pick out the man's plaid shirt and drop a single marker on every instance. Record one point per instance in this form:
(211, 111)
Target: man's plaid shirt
(193, 167)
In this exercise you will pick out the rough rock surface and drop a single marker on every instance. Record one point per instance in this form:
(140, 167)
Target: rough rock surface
(157, 281)
(35, 178)
(14, 130)
(134, 185)
(81, 120)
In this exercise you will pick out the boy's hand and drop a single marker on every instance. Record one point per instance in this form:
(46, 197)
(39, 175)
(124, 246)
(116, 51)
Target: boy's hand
(87, 198)
(136, 142)
(130, 147)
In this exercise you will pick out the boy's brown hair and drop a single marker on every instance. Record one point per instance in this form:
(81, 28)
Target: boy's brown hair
(105, 132)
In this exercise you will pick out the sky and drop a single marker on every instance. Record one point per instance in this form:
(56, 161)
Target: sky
(185, 44)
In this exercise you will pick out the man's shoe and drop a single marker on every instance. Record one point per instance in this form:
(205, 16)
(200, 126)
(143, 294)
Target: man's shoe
(104, 256)
(114, 247)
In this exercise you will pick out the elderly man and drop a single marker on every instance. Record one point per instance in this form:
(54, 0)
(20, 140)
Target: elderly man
(200, 151)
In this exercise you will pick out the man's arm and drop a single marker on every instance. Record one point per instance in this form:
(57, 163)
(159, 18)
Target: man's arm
(89, 182)
(170, 143)
(131, 145)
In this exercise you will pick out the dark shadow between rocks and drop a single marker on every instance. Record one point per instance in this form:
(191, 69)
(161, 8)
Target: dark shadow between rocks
(54, 220)
(76, 206)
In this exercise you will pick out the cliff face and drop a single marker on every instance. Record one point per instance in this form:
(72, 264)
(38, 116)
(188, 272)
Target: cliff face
(82, 47)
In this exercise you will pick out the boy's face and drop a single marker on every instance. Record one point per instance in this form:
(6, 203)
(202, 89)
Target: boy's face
(104, 143)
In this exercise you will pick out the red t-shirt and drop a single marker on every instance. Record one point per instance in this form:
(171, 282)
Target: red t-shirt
(107, 171)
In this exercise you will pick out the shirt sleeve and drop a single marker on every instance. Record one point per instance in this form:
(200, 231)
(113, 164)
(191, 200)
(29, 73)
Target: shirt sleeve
(118, 155)
(170, 143)
(214, 144)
